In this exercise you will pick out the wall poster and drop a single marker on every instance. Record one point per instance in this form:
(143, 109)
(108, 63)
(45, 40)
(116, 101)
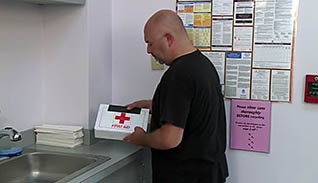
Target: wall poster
(262, 32)
(250, 125)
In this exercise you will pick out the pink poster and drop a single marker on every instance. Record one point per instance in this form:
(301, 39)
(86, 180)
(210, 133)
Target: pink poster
(250, 125)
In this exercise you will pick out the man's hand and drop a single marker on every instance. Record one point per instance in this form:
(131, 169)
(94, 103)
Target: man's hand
(140, 104)
(137, 137)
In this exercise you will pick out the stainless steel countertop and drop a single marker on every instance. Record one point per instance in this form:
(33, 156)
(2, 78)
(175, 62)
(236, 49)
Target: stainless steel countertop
(121, 154)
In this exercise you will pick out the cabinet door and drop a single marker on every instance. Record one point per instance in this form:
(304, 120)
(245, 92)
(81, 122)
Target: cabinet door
(131, 173)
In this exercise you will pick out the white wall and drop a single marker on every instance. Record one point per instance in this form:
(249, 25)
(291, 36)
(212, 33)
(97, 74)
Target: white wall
(100, 56)
(78, 62)
(132, 75)
(21, 88)
(66, 65)
(55, 63)
(294, 142)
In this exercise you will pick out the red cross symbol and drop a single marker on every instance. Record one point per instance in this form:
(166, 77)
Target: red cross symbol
(122, 118)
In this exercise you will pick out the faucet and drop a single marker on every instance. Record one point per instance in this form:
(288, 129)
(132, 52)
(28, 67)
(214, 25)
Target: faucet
(11, 133)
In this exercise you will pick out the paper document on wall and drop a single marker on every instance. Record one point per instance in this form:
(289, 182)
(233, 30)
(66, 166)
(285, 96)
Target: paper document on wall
(250, 125)
(237, 79)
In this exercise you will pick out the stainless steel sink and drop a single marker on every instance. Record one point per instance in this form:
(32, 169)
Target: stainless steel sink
(47, 167)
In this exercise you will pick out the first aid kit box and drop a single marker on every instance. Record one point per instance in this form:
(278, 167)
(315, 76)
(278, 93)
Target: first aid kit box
(116, 122)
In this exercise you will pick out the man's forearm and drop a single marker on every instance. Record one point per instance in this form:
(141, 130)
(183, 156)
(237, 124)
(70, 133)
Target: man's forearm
(166, 137)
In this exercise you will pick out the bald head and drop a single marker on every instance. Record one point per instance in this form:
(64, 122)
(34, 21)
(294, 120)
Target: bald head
(166, 37)
(166, 21)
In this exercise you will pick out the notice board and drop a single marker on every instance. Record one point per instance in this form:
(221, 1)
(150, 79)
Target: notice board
(250, 42)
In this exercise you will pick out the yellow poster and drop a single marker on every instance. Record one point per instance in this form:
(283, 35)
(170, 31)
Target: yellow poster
(202, 7)
(202, 20)
(201, 37)
(190, 32)
(194, 0)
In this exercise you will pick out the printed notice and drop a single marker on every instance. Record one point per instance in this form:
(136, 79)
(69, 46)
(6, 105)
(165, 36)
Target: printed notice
(201, 37)
(274, 21)
(238, 71)
(202, 25)
(244, 10)
(222, 33)
(222, 7)
(243, 38)
(260, 84)
(280, 86)
(193, 0)
(202, 20)
(250, 125)
(273, 34)
(202, 7)
(185, 11)
(196, 17)
(185, 7)
(187, 19)
(218, 60)
(272, 56)
(190, 32)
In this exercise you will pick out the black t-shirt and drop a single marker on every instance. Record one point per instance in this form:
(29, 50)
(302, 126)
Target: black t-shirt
(189, 96)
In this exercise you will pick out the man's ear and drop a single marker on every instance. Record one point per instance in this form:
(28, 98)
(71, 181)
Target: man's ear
(170, 39)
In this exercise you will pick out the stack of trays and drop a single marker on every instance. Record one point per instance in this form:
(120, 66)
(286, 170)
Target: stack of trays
(59, 135)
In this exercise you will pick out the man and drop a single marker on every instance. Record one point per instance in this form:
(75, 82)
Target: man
(188, 126)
